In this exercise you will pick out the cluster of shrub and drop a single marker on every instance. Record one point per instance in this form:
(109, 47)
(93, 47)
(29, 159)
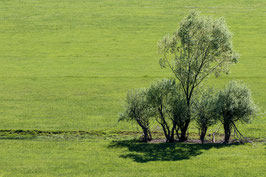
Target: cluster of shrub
(165, 102)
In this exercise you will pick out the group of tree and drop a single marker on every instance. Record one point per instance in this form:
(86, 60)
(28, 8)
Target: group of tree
(201, 46)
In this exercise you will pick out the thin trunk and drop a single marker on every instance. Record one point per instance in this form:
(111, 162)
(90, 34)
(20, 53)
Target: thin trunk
(172, 136)
(213, 134)
(149, 135)
(166, 130)
(165, 133)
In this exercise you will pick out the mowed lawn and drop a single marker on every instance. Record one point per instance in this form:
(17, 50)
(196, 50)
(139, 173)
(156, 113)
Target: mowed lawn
(67, 65)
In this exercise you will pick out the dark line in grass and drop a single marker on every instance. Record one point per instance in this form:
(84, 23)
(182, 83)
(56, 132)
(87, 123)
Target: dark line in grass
(30, 134)
(68, 134)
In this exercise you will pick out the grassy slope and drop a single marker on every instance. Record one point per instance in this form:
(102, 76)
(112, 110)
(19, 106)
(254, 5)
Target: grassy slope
(66, 65)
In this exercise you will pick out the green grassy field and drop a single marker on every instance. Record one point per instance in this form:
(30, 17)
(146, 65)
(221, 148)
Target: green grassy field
(67, 65)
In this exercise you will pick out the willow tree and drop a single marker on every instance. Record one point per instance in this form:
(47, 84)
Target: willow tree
(199, 47)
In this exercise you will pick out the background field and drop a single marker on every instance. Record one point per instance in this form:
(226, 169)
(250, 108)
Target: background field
(67, 65)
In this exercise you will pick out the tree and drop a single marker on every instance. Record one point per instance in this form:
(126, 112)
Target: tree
(205, 112)
(138, 109)
(201, 46)
(234, 104)
(159, 95)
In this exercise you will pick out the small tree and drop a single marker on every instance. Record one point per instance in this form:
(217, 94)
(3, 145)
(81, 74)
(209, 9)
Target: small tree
(201, 46)
(159, 95)
(234, 104)
(205, 113)
(137, 109)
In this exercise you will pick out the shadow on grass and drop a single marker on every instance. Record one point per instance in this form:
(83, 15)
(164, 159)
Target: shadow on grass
(146, 152)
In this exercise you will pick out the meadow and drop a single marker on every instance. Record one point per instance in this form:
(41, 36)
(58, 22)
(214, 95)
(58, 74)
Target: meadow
(67, 65)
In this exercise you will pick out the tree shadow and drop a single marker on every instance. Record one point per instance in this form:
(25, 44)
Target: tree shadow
(146, 152)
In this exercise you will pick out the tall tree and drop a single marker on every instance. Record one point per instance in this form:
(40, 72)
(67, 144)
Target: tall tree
(201, 46)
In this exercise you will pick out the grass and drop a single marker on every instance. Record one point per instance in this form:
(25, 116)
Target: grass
(67, 65)
(104, 157)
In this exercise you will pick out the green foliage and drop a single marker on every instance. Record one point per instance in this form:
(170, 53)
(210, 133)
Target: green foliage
(205, 109)
(235, 103)
(160, 92)
(136, 107)
(201, 46)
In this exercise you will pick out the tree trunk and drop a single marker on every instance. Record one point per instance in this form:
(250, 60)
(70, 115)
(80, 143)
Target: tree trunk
(183, 129)
(146, 134)
(149, 135)
(203, 133)
(172, 136)
(146, 131)
(183, 136)
(166, 129)
(166, 134)
(227, 132)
